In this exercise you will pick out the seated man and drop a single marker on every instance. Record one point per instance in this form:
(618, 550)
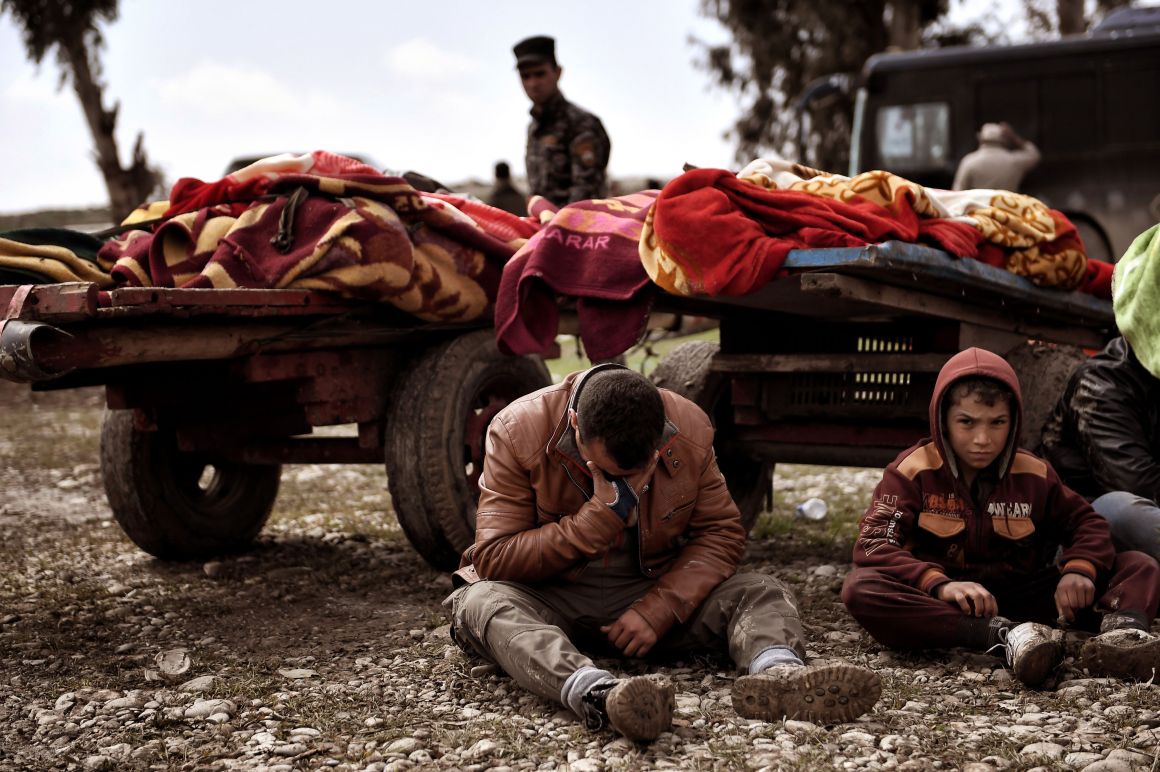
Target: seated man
(1104, 439)
(604, 522)
(960, 544)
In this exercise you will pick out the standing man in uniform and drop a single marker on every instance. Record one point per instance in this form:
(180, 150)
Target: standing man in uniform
(567, 146)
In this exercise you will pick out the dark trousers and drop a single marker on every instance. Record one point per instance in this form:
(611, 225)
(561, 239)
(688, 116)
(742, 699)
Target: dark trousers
(901, 616)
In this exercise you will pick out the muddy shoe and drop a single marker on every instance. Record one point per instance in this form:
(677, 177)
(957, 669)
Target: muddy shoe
(1033, 650)
(640, 708)
(1124, 653)
(824, 694)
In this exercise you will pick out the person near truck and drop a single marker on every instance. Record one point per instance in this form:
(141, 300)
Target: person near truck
(971, 541)
(1001, 161)
(604, 526)
(568, 149)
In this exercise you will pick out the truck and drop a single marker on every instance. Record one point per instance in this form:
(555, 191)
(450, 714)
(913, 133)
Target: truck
(1086, 101)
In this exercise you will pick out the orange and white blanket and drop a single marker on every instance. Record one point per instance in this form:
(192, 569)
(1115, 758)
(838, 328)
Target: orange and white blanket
(712, 232)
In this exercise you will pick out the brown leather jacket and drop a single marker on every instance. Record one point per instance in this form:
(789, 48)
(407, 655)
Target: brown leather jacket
(537, 519)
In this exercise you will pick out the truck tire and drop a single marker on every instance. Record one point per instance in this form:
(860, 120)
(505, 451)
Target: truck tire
(177, 505)
(436, 428)
(1043, 370)
(685, 370)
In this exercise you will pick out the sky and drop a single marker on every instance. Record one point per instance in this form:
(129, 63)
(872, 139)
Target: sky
(423, 86)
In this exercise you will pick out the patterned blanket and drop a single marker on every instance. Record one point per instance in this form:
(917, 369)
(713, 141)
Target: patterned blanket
(715, 233)
(588, 250)
(356, 233)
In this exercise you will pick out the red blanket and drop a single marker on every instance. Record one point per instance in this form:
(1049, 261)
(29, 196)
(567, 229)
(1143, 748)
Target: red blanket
(728, 236)
(590, 251)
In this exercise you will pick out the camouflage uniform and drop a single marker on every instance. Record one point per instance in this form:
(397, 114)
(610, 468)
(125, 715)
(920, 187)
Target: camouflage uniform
(567, 153)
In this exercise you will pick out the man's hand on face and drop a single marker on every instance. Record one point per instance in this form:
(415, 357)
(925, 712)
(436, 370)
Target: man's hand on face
(631, 633)
(603, 489)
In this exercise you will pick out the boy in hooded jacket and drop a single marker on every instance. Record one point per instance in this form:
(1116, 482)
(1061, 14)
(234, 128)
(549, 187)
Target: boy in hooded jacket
(971, 541)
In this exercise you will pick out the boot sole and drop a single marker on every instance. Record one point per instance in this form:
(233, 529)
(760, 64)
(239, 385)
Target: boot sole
(640, 708)
(831, 694)
(1037, 664)
(1140, 662)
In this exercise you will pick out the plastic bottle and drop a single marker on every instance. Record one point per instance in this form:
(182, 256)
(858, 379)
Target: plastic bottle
(812, 509)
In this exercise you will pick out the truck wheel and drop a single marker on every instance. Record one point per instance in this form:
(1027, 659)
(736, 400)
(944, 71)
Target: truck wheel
(437, 425)
(685, 370)
(177, 505)
(1043, 370)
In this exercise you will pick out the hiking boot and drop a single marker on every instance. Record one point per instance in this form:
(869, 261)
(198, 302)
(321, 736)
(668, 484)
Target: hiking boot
(824, 694)
(1032, 652)
(1123, 653)
(1119, 620)
(640, 708)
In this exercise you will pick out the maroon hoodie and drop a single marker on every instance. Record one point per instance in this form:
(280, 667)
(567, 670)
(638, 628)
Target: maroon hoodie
(925, 528)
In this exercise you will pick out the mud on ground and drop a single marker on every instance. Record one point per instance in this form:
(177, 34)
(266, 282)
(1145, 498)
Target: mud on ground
(326, 647)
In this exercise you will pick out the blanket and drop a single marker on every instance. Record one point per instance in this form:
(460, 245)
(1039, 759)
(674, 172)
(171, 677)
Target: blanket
(361, 235)
(1136, 298)
(1013, 231)
(712, 233)
(588, 250)
(50, 255)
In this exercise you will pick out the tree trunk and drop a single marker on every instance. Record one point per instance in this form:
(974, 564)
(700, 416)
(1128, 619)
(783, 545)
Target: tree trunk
(905, 25)
(128, 188)
(1071, 21)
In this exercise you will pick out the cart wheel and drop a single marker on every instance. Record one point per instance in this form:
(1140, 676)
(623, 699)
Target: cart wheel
(177, 505)
(437, 424)
(1043, 370)
(685, 370)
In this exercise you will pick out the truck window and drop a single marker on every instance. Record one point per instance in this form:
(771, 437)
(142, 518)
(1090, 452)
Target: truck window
(913, 136)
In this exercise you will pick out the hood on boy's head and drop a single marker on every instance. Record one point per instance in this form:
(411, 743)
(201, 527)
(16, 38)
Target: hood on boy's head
(975, 363)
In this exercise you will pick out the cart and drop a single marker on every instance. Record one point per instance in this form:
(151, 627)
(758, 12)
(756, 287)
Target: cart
(210, 391)
(835, 362)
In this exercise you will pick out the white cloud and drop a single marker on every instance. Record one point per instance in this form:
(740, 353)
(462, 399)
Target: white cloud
(420, 59)
(211, 89)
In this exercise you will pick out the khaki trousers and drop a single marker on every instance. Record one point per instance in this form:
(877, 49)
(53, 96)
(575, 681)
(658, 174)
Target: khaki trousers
(533, 632)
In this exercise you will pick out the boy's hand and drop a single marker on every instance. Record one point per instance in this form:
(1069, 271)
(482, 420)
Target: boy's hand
(631, 633)
(1074, 591)
(974, 599)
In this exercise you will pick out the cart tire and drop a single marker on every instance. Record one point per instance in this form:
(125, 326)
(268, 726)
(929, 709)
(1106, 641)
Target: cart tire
(685, 370)
(1043, 370)
(177, 505)
(436, 439)
(405, 476)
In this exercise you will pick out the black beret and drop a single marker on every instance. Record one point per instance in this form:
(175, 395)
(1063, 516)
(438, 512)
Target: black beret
(535, 50)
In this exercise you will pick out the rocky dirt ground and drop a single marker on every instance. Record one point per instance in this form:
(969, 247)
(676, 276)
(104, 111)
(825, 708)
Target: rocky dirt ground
(327, 647)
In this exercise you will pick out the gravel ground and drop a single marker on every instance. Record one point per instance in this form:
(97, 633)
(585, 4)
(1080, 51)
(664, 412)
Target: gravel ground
(327, 646)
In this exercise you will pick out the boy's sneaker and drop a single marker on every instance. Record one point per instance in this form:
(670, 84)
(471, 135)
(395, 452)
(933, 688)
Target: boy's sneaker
(1123, 653)
(640, 708)
(824, 694)
(1033, 650)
